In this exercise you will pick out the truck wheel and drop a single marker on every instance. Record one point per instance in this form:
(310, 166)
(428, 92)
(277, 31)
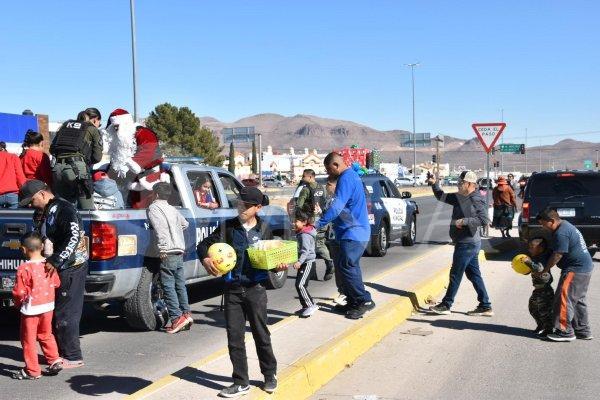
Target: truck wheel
(145, 310)
(380, 245)
(411, 238)
(276, 280)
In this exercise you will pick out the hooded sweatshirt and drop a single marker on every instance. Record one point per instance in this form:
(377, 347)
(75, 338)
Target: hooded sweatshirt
(306, 244)
(107, 195)
(470, 208)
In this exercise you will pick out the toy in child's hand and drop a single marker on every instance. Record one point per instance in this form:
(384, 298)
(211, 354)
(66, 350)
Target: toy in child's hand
(223, 256)
(519, 264)
(533, 266)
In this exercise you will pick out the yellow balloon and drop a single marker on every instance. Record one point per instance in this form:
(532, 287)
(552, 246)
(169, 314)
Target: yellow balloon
(518, 264)
(223, 256)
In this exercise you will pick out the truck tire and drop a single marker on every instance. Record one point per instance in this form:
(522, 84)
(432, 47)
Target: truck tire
(380, 245)
(276, 280)
(140, 309)
(411, 237)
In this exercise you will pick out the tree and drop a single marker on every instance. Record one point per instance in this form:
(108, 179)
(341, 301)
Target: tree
(254, 161)
(181, 134)
(231, 159)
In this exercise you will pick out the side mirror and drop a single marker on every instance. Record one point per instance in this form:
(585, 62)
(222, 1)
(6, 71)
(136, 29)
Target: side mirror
(406, 195)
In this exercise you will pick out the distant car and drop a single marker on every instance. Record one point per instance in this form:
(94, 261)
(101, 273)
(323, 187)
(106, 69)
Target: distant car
(451, 181)
(574, 194)
(484, 184)
(404, 181)
(272, 182)
(250, 182)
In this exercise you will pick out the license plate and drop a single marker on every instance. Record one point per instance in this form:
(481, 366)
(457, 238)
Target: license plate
(566, 212)
(8, 283)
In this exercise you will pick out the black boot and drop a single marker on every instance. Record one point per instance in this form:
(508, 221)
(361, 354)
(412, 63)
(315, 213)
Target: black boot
(328, 270)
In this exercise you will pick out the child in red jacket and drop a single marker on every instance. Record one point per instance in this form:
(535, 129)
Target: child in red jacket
(34, 295)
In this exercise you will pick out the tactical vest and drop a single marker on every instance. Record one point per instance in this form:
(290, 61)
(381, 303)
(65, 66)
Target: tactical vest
(316, 196)
(70, 140)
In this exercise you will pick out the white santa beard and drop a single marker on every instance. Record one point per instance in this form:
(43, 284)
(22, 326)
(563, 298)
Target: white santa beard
(122, 146)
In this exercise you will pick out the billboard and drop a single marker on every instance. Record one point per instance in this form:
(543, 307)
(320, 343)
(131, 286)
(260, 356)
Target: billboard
(241, 134)
(422, 139)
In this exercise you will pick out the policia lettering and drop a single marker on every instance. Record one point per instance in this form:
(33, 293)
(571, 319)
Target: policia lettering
(76, 147)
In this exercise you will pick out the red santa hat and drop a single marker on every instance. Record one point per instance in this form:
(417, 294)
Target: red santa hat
(118, 117)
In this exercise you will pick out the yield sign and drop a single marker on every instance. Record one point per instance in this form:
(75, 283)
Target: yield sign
(489, 133)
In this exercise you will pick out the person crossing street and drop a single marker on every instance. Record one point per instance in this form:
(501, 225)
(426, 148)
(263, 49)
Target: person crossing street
(469, 213)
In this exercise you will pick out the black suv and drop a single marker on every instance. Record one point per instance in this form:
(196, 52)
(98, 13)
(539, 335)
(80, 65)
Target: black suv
(574, 194)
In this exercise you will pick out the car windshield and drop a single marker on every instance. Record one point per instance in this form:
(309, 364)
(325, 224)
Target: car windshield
(557, 186)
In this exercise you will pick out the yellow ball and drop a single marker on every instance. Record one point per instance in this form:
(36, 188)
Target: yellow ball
(223, 256)
(518, 264)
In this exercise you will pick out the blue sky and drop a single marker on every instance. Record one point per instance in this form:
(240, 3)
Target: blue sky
(538, 60)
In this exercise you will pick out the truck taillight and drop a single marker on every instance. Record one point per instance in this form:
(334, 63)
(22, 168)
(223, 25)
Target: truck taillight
(104, 241)
(525, 212)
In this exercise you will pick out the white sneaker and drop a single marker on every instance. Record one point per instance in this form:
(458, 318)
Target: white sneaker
(308, 311)
(340, 300)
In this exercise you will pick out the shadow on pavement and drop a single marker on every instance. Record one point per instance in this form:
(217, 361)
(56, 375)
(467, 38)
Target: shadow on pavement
(11, 352)
(398, 292)
(211, 381)
(477, 326)
(92, 385)
(8, 370)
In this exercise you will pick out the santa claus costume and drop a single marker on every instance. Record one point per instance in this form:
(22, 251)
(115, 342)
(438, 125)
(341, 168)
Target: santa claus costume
(135, 157)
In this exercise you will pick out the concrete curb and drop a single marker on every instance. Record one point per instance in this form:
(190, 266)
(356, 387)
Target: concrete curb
(303, 378)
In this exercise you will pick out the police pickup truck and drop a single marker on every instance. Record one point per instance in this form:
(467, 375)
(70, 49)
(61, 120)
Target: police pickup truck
(119, 242)
(392, 215)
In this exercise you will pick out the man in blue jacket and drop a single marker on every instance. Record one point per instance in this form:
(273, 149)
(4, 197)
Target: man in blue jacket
(348, 213)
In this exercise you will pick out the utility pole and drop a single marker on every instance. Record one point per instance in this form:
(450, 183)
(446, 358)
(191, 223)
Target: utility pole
(260, 159)
(502, 138)
(597, 160)
(526, 151)
(540, 170)
(132, 15)
(437, 156)
(412, 72)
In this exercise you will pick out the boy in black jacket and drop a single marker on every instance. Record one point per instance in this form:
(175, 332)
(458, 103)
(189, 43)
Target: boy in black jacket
(245, 293)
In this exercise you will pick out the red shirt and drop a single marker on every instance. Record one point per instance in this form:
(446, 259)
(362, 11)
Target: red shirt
(11, 173)
(36, 165)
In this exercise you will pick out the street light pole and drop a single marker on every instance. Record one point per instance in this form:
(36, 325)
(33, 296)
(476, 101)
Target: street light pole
(132, 14)
(501, 153)
(412, 73)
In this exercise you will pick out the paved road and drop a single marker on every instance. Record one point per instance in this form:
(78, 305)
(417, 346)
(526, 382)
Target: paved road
(120, 361)
(476, 357)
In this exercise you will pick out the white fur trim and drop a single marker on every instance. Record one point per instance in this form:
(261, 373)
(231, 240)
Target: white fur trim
(125, 119)
(133, 166)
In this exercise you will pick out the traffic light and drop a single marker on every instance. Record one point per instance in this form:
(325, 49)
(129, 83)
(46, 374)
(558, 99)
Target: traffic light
(522, 149)
(496, 164)
(434, 158)
(493, 150)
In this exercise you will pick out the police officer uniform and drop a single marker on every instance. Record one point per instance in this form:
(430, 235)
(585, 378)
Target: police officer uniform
(76, 147)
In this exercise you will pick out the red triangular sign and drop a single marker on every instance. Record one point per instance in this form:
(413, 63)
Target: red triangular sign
(489, 133)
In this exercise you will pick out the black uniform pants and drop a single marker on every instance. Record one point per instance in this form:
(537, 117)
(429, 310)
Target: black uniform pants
(248, 304)
(68, 306)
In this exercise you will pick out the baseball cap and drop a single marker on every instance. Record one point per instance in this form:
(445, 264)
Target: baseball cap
(468, 176)
(98, 175)
(29, 189)
(253, 195)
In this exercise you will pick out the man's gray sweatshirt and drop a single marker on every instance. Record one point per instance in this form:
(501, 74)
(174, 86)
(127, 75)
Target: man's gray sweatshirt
(306, 244)
(168, 226)
(471, 209)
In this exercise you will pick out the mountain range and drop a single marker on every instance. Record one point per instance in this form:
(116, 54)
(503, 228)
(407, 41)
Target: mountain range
(308, 131)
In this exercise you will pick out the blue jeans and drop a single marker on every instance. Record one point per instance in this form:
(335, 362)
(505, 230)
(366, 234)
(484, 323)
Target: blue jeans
(9, 200)
(348, 263)
(465, 261)
(173, 283)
